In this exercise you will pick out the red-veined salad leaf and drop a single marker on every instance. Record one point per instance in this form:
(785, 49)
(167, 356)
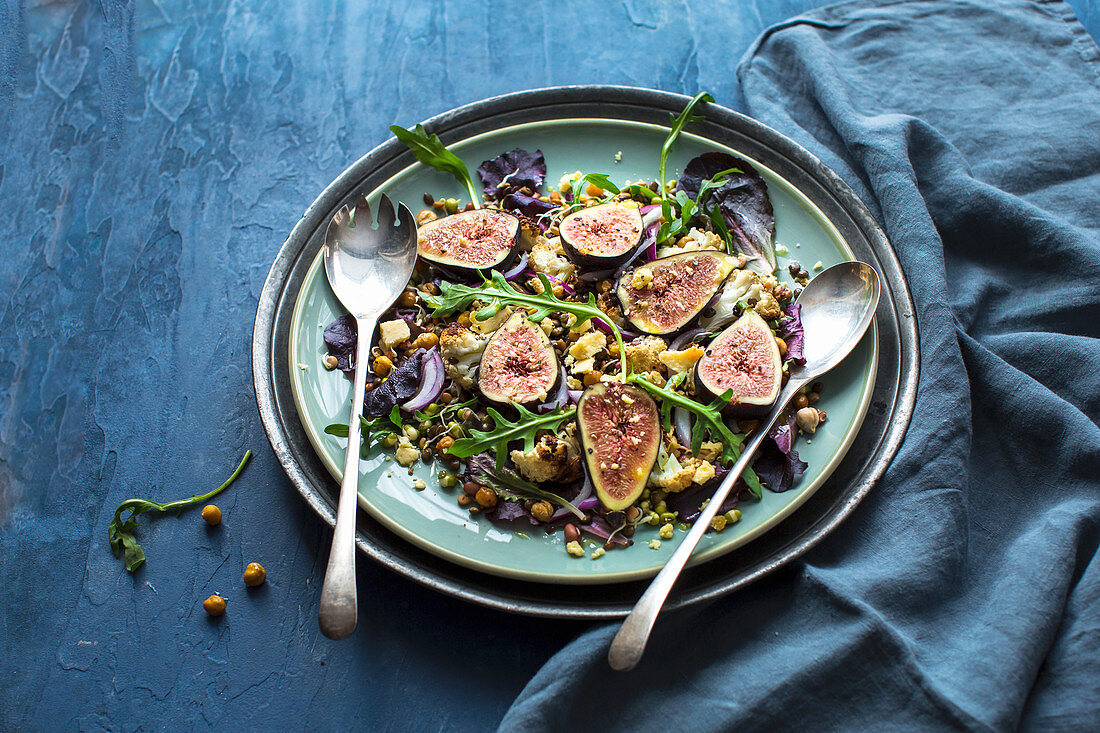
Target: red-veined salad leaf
(515, 169)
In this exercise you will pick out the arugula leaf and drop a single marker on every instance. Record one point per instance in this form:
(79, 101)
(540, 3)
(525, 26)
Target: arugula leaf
(711, 418)
(488, 472)
(456, 296)
(429, 150)
(678, 123)
(599, 180)
(120, 532)
(505, 431)
(372, 431)
(644, 191)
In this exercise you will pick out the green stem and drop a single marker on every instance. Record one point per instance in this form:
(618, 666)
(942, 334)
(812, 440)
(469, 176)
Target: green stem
(131, 503)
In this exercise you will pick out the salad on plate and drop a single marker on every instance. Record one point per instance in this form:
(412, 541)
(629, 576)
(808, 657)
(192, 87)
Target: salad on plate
(588, 355)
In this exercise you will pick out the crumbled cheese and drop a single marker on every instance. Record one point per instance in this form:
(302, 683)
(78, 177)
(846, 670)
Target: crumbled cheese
(393, 332)
(710, 450)
(598, 553)
(490, 324)
(619, 156)
(641, 278)
(582, 354)
(665, 532)
(781, 250)
(654, 544)
(419, 485)
(574, 548)
(679, 362)
(694, 240)
(704, 471)
(818, 265)
(303, 367)
(406, 453)
(565, 183)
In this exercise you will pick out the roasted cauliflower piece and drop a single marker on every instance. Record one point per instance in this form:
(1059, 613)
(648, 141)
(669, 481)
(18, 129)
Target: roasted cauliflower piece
(461, 351)
(554, 458)
(644, 354)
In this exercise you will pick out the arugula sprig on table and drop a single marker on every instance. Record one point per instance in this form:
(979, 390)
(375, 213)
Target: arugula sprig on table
(429, 150)
(678, 124)
(525, 427)
(499, 293)
(120, 532)
(373, 430)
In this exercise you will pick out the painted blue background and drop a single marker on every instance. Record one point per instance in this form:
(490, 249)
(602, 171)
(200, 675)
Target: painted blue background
(153, 157)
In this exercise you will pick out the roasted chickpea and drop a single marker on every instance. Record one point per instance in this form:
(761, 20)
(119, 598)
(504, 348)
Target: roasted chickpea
(214, 605)
(382, 366)
(211, 515)
(254, 574)
(542, 510)
(486, 497)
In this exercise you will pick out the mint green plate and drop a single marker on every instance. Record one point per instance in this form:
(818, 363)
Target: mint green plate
(431, 518)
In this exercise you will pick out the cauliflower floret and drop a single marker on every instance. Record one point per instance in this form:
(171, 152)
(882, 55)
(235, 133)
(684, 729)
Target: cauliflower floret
(742, 285)
(548, 257)
(392, 333)
(582, 354)
(554, 458)
(644, 353)
(669, 475)
(768, 307)
(461, 351)
(696, 239)
(406, 453)
(679, 362)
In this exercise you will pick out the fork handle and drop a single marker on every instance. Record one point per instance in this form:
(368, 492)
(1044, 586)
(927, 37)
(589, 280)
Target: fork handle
(339, 610)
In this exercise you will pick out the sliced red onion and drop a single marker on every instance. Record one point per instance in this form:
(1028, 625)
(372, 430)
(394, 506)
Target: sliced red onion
(606, 328)
(431, 381)
(575, 395)
(584, 494)
(685, 338)
(515, 270)
(681, 424)
(560, 396)
(648, 208)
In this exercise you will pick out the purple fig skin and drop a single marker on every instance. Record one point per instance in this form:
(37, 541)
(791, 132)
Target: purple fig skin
(620, 432)
(716, 265)
(488, 239)
(748, 353)
(621, 222)
(507, 363)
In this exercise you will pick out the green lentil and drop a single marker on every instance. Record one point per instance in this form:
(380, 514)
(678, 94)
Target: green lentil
(447, 479)
(412, 433)
(451, 205)
(668, 516)
(733, 515)
(390, 440)
(653, 518)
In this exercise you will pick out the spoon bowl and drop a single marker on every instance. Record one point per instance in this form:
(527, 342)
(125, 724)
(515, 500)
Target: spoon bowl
(367, 265)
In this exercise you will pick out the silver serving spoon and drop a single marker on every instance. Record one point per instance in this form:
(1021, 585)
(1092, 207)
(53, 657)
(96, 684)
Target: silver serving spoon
(367, 267)
(837, 308)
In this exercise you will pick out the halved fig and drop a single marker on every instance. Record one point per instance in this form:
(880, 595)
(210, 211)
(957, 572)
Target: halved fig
(743, 358)
(480, 239)
(518, 364)
(603, 236)
(620, 432)
(665, 295)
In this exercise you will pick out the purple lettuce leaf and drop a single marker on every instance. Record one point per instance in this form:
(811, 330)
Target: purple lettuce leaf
(515, 169)
(401, 385)
(790, 329)
(510, 509)
(340, 338)
(600, 528)
(530, 206)
(742, 200)
(778, 470)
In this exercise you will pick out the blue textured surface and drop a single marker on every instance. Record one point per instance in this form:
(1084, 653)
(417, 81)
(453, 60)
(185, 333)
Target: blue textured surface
(153, 159)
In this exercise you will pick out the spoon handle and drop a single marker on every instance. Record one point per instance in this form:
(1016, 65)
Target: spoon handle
(339, 610)
(629, 644)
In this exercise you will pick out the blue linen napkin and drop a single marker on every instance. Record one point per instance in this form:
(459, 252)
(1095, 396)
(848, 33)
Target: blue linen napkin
(964, 591)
